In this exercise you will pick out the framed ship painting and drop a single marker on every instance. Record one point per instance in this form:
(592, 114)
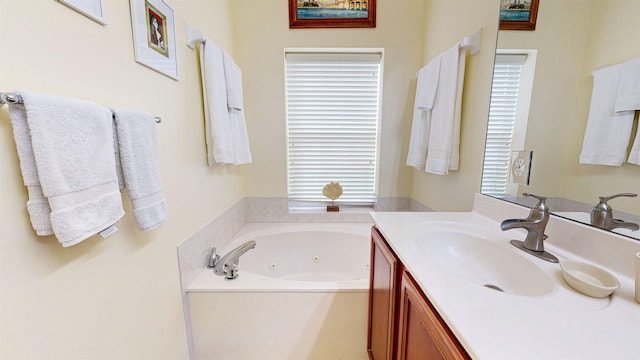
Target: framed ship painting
(332, 13)
(518, 14)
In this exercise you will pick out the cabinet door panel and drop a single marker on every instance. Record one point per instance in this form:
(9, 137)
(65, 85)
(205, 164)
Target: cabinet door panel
(422, 334)
(382, 299)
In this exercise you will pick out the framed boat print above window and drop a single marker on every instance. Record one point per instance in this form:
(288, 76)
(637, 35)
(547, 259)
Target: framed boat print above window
(518, 14)
(332, 13)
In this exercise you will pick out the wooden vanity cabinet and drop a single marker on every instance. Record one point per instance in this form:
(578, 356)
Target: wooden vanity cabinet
(411, 328)
(383, 282)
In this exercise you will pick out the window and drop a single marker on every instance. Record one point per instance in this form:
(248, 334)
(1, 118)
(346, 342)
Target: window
(333, 105)
(508, 114)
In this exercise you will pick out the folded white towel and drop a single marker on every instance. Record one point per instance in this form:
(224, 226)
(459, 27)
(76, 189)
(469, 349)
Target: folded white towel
(72, 143)
(37, 204)
(233, 78)
(138, 150)
(607, 135)
(628, 99)
(426, 88)
(444, 137)
(235, 101)
(628, 93)
(217, 127)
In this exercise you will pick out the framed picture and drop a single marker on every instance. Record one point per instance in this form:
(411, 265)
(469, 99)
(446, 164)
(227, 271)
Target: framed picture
(332, 13)
(518, 14)
(154, 36)
(93, 9)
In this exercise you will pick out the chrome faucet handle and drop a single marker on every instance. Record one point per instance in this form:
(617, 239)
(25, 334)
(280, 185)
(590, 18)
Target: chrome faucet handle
(540, 210)
(540, 198)
(213, 258)
(604, 199)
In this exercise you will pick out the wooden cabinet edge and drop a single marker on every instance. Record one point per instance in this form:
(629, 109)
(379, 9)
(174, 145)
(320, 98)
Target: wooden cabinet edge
(446, 342)
(394, 280)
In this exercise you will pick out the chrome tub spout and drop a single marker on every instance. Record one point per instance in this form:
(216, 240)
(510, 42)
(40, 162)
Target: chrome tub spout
(227, 265)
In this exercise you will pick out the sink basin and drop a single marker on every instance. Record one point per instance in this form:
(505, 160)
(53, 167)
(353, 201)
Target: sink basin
(483, 262)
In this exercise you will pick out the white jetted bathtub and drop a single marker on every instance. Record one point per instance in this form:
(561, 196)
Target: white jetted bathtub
(302, 293)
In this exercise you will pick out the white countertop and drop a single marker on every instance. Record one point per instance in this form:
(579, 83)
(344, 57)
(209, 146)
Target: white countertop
(562, 324)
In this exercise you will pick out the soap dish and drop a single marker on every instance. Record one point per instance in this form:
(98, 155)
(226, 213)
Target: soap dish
(588, 279)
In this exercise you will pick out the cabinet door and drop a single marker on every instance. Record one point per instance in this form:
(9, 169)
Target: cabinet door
(382, 299)
(422, 334)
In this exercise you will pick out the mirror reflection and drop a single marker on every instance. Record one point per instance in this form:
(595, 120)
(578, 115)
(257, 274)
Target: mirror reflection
(540, 107)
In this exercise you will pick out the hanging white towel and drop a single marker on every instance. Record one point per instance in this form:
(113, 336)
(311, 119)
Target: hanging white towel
(138, 153)
(235, 102)
(607, 135)
(217, 126)
(628, 93)
(72, 148)
(444, 137)
(37, 204)
(426, 88)
(233, 78)
(628, 99)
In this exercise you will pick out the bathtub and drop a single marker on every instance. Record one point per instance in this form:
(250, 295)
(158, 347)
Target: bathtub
(302, 293)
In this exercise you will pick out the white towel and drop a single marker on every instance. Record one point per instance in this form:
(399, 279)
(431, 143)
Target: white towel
(235, 102)
(138, 151)
(426, 88)
(217, 127)
(607, 135)
(628, 99)
(233, 78)
(628, 93)
(72, 148)
(444, 136)
(37, 204)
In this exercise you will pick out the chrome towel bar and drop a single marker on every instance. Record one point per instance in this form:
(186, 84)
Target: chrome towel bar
(12, 99)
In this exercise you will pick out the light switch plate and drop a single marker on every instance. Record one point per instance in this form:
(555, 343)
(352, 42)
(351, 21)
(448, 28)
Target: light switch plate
(521, 166)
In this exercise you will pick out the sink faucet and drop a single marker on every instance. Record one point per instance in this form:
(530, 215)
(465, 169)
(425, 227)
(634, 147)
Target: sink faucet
(227, 265)
(535, 224)
(602, 215)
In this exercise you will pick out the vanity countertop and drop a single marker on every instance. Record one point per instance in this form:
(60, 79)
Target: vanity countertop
(561, 324)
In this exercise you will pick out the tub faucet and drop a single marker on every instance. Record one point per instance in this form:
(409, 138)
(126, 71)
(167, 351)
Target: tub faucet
(227, 265)
(535, 225)
(602, 215)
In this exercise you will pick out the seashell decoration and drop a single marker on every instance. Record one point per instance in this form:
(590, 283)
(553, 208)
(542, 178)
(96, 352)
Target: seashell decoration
(332, 190)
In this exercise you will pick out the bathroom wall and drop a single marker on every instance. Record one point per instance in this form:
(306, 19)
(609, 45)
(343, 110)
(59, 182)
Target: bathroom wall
(263, 30)
(117, 298)
(445, 23)
(557, 71)
(594, 34)
(608, 43)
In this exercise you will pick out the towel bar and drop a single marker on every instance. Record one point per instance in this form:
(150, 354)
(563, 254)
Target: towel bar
(11, 98)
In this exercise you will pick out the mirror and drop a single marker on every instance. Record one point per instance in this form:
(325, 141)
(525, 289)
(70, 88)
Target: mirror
(572, 39)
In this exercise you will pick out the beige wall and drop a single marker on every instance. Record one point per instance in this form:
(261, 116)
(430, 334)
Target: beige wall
(608, 43)
(117, 298)
(264, 33)
(593, 34)
(445, 23)
(120, 297)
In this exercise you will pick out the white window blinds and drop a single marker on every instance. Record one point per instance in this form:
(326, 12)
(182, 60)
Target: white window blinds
(333, 104)
(500, 129)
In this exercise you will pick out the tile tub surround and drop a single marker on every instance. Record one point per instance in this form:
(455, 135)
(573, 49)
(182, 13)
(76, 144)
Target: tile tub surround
(562, 324)
(193, 252)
